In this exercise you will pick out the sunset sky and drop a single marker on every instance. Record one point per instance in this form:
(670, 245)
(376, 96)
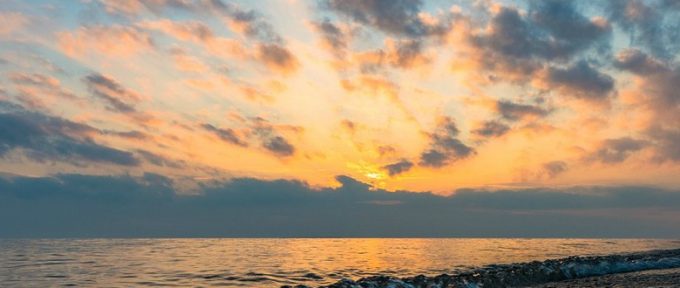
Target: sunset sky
(447, 97)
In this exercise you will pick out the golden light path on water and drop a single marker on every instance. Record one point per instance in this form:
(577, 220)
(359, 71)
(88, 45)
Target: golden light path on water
(274, 262)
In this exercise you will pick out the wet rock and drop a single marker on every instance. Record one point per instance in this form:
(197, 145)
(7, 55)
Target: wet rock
(526, 274)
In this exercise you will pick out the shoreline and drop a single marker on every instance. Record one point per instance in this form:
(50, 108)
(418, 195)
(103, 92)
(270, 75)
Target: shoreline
(658, 268)
(649, 278)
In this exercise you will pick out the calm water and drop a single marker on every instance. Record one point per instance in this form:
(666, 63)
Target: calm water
(272, 262)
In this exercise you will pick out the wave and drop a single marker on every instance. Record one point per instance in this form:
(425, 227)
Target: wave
(526, 274)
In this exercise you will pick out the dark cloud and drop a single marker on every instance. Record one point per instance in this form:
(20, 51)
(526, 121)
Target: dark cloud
(252, 23)
(279, 146)
(269, 136)
(228, 134)
(551, 30)
(554, 168)
(492, 129)
(399, 167)
(396, 17)
(136, 135)
(278, 58)
(582, 81)
(406, 53)
(159, 160)
(48, 138)
(638, 62)
(433, 158)
(117, 97)
(271, 139)
(445, 147)
(513, 111)
(617, 150)
(332, 36)
(652, 25)
(569, 30)
(515, 46)
(146, 206)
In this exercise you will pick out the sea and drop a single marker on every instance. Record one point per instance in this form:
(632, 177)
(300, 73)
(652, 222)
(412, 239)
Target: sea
(313, 262)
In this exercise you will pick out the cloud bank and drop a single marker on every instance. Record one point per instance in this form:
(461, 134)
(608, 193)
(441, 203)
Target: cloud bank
(73, 205)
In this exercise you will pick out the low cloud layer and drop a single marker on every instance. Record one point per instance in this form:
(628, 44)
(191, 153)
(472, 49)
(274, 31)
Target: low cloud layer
(72, 205)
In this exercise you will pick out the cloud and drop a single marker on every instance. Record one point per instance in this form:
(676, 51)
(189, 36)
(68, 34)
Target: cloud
(555, 168)
(552, 30)
(660, 81)
(228, 135)
(580, 80)
(269, 136)
(518, 46)
(248, 22)
(251, 24)
(399, 167)
(107, 41)
(402, 54)
(135, 135)
(445, 146)
(405, 53)
(570, 31)
(638, 62)
(333, 37)
(277, 58)
(117, 97)
(47, 138)
(492, 129)
(270, 50)
(666, 144)
(186, 31)
(159, 160)
(148, 205)
(39, 91)
(10, 22)
(271, 140)
(396, 17)
(136, 7)
(512, 111)
(656, 90)
(617, 150)
(279, 146)
(650, 24)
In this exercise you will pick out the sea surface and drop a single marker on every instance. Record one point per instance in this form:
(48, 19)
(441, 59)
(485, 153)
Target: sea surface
(274, 262)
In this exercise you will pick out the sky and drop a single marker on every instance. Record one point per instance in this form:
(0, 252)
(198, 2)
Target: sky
(339, 118)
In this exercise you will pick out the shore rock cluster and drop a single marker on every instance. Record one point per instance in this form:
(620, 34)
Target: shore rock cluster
(526, 274)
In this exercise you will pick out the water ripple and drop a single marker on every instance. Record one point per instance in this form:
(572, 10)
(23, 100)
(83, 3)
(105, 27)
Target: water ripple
(273, 262)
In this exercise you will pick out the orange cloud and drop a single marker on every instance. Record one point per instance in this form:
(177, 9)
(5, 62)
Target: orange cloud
(11, 22)
(113, 40)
